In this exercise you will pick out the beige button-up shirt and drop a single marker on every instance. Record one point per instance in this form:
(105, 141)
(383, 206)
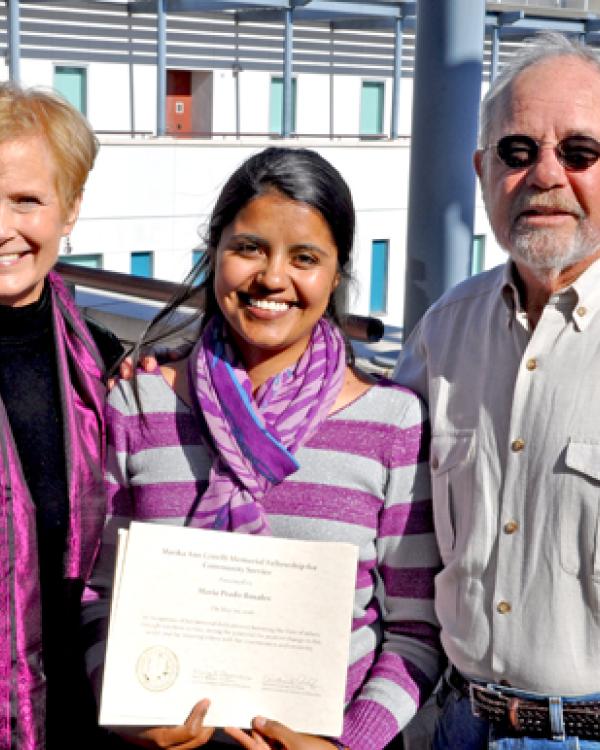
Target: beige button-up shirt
(515, 461)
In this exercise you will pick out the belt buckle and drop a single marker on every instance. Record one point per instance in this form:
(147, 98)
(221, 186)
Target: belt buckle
(511, 704)
(486, 690)
(474, 708)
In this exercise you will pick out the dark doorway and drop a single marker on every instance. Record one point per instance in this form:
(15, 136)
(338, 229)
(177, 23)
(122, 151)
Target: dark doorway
(179, 102)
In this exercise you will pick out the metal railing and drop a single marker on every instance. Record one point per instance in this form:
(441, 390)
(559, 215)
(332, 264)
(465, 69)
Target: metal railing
(126, 133)
(357, 327)
(235, 135)
(582, 6)
(207, 134)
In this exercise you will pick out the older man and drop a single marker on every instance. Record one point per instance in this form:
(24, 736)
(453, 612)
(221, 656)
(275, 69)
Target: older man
(509, 362)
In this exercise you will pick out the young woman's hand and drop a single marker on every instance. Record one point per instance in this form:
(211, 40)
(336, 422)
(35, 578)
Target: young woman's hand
(267, 734)
(189, 735)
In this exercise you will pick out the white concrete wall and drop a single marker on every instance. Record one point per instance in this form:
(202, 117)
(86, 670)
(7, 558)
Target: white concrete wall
(346, 109)
(144, 95)
(109, 96)
(223, 101)
(313, 105)
(202, 101)
(405, 114)
(255, 87)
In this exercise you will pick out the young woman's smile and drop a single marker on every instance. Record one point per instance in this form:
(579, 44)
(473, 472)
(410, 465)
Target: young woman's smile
(276, 268)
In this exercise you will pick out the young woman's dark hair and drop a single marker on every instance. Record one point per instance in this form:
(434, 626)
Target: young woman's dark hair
(300, 174)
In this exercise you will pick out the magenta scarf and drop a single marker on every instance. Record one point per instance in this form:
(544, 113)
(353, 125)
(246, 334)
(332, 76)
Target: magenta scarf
(254, 438)
(22, 687)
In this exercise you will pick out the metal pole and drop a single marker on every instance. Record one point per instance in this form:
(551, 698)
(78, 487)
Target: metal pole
(397, 78)
(238, 126)
(161, 66)
(495, 59)
(447, 89)
(236, 73)
(331, 80)
(287, 72)
(14, 41)
(130, 68)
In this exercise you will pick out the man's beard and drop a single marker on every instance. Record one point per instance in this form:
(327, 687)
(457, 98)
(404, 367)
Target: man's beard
(547, 253)
(544, 250)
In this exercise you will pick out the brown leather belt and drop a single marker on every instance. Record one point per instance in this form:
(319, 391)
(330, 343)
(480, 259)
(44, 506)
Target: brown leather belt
(528, 717)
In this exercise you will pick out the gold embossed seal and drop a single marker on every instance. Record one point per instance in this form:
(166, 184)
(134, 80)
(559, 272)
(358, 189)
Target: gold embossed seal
(157, 668)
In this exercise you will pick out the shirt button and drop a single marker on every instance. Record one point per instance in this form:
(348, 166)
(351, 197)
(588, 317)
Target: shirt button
(531, 364)
(503, 607)
(517, 445)
(511, 526)
(581, 311)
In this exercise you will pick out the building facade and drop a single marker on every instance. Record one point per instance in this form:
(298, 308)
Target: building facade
(148, 198)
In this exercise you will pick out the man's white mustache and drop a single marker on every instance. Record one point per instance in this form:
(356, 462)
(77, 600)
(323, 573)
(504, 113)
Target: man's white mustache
(547, 204)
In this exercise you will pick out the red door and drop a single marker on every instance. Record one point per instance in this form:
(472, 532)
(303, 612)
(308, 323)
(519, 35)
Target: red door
(179, 102)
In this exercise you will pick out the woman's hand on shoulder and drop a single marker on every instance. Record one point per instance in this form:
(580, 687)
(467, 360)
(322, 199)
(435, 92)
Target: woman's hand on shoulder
(149, 361)
(266, 734)
(189, 735)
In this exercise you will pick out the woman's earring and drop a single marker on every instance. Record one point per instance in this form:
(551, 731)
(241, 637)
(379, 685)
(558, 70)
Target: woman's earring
(68, 249)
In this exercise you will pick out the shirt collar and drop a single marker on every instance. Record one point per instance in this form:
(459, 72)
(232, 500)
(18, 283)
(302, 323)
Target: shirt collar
(587, 296)
(582, 297)
(509, 291)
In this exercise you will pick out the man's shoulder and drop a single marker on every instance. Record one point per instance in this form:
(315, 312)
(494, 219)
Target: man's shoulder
(475, 289)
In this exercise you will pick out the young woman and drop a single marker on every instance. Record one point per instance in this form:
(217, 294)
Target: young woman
(267, 428)
(52, 500)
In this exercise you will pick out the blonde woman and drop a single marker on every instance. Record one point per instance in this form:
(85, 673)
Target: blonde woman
(52, 501)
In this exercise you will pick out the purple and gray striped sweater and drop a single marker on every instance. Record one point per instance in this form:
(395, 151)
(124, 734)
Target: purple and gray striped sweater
(363, 479)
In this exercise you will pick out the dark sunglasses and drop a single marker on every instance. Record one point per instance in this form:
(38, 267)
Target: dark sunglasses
(575, 152)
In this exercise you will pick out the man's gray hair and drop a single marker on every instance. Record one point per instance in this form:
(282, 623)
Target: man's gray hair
(544, 46)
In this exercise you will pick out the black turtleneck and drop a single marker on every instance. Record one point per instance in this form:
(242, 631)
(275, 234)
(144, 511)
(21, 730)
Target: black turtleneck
(30, 391)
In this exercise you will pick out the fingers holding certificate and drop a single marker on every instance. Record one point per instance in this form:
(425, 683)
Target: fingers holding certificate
(189, 735)
(267, 734)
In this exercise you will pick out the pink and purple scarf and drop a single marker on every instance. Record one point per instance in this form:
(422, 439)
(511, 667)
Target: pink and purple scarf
(255, 437)
(22, 682)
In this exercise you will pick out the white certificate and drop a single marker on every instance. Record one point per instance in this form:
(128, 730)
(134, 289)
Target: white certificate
(259, 625)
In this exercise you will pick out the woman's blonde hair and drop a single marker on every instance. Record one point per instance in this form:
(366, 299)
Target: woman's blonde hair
(72, 143)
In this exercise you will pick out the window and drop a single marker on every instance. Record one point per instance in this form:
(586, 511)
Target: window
(276, 107)
(379, 276)
(371, 107)
(72, 84)
(197, 256)
(142, 264)
(93, 260)
(478, 254)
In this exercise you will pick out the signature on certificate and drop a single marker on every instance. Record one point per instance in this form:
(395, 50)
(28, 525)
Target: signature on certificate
(296, 684)
(221, 678)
